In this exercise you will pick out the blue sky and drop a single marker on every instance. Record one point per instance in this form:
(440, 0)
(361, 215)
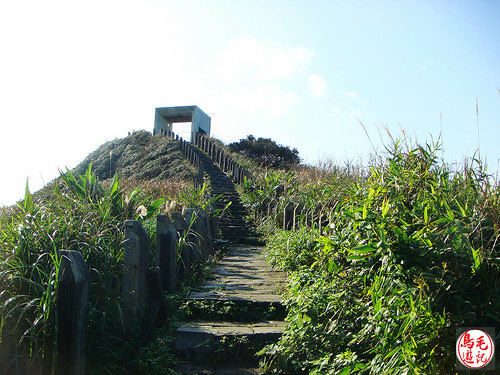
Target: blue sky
(75, 74)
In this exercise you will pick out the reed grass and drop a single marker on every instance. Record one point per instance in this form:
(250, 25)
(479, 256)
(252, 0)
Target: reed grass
(410, 253)
(82, 216)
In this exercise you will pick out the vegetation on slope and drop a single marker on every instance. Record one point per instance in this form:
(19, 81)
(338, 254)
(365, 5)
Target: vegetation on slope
(141, 160)
(410, 254)
(140, 156)
(266, 153)
(83, 214)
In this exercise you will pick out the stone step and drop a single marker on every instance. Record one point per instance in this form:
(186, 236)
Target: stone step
(225, 342)
(185, 368)
(236, 310)
(240, 310)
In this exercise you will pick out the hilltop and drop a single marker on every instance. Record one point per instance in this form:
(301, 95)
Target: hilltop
(140, 156)
(139, 160)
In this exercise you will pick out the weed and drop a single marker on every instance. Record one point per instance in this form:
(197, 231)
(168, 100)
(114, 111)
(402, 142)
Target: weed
(410, 252)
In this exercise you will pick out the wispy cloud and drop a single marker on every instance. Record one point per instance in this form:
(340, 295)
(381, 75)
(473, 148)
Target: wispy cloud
(351, 94)
(355, 114)
(255, 71)
(268, 97)
(262, 60)
(317, 86)
(283, 62)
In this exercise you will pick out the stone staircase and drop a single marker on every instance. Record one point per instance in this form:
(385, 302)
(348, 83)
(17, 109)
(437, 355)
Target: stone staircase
(233, 316)
(234, 226)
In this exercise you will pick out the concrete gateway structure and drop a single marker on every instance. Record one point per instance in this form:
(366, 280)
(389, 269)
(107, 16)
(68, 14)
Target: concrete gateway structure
(166, 116)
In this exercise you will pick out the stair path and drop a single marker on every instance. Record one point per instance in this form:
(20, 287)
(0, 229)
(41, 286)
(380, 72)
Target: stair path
(240, 310)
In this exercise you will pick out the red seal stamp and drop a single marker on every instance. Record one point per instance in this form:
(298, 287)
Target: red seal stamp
(475, 348)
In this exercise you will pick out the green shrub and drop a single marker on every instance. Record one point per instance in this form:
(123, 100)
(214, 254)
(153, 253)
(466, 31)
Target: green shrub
(410, 253)
(81, 216)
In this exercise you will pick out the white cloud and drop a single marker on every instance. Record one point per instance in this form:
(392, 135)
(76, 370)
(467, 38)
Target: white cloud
(355, 114)
(317, 86)
(268, 97)
(262, 61)
(278, 104)
(282, 63)
(255, 71)
(239, 56)
(351, 94)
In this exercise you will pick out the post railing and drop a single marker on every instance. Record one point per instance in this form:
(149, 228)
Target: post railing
(143, 286)
(203, 143)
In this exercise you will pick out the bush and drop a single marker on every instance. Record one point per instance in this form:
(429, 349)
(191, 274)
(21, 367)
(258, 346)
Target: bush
(81, 216)
(411, 253)
(266, 152)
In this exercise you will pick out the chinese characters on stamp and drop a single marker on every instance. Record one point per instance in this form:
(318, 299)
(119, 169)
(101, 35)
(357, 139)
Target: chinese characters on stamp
(475, 348)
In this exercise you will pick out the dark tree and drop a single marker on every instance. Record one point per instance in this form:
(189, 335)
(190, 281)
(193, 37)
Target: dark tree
(266, 152)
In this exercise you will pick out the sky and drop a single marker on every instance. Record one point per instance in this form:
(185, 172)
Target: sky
(313, 75)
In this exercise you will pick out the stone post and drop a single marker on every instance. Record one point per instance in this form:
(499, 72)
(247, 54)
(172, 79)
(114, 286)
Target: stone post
(236, 173)
(72, 313)
(201, 228)
(288, 216)
(135, 264)
(191, 216)
(166, 252)
(207, 237)
(296, 211)
(182, 227)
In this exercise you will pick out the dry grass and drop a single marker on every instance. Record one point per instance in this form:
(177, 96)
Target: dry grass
(170, 188)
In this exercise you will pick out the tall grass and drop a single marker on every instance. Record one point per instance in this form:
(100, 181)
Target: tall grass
(410, 253)
(82, 216)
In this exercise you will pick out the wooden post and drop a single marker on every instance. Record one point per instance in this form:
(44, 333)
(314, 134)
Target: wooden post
(166, 252)
(72, 313)
(135, 264)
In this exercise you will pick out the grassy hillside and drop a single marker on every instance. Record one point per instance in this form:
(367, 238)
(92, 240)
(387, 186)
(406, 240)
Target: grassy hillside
(140, 160)
(85, 210)
(140, 156)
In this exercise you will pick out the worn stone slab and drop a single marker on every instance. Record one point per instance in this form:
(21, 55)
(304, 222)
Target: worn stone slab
(228, 296)
(230, 329)
(243, 275)
(211, 369)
